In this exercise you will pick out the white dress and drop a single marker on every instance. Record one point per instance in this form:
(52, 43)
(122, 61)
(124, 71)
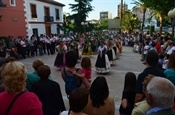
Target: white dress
(102, 63)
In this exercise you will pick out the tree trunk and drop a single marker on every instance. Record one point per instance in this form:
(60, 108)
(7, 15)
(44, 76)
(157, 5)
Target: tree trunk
(143, 22)
(161, 23)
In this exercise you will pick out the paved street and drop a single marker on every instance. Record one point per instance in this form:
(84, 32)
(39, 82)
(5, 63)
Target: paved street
(127, 62)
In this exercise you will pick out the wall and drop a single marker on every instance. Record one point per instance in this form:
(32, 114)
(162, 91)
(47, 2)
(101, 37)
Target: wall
(13, 20)
(39, 22)
(113, 23)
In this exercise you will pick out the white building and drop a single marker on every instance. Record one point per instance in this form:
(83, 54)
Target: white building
(42, 16)
(139, 14)
(105, 15)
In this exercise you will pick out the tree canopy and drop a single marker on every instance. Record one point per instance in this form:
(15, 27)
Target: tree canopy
(80, 12)
(130, 21)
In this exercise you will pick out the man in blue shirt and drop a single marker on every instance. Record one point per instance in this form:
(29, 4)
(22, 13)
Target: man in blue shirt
(160, 94)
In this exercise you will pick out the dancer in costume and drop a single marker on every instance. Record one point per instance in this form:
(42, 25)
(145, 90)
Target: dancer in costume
(87, 48)
(60, 58)
(111, 53)
(74, 45)
(102, 63)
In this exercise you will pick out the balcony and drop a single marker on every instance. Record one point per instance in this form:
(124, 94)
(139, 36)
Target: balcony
(48, 19)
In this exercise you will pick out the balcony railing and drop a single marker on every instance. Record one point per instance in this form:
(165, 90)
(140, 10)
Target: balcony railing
(48, 19)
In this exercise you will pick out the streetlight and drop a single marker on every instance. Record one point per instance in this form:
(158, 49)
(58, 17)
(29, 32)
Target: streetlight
(84, 24)
(171, 14)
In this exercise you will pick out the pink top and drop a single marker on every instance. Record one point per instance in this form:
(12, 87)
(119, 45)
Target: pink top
(26, 104)
(87, 73)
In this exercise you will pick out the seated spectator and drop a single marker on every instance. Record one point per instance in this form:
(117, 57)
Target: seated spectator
(48, 92)
(33, 77)
(160, 93)
(78, 100)
(172, 47)
(27, 103)
(151, 63)
(99, 102)
(140, 108)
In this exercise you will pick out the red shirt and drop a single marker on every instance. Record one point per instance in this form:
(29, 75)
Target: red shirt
(87, 73)
(158, 47)
(26, 104)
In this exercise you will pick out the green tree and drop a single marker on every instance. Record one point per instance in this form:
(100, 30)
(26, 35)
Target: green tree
(160, 8)
(130, 21)
(140, 5)
(67, 24)
(80, 12)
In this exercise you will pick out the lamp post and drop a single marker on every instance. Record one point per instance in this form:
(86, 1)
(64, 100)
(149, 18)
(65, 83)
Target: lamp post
(84, 24)
(171, 14)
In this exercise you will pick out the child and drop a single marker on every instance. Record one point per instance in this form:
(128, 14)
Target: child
(128, 95)
(85, 71)
(165, 62)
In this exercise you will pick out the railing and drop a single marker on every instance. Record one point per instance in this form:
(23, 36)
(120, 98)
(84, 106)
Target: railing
(48, 19)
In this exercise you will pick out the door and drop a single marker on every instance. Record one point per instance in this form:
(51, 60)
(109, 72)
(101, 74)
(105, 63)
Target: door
(48, 29)
(35, 31)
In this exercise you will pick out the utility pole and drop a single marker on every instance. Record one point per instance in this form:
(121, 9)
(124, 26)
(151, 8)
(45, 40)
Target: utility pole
(121, 12)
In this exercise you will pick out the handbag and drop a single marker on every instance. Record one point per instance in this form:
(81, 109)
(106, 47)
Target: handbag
(12, 102)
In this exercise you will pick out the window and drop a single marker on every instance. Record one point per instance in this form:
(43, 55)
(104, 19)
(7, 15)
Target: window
(57, 14)
(33, 10)
(12, 2)
(35, 31)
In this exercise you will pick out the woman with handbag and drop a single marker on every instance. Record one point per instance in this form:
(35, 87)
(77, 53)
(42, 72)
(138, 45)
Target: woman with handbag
(15, 100)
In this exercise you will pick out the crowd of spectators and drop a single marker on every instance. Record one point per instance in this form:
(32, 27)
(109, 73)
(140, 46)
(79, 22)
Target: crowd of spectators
(36, 93)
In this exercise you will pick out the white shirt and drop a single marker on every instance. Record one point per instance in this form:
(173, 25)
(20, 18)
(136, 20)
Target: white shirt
(64, 113)
(165, 64)
(146, 48)
(170, 51)
(47, 40)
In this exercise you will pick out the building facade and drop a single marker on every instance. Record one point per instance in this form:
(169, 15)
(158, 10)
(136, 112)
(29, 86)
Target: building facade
(12, 22)
(30, 17)
(139, 13)
(42, 16)
(105, 15)
(124, 8)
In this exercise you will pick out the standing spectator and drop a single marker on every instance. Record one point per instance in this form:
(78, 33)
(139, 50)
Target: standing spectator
(48, 92)
(42, 43)
(23, 47)
(78, 100)
(128, 94)
(71, 61)
(48, 45)
(14, 77)
(28, 46)
(170, 72)
(33, 77)
(160, 93)
(151, 68)
(99, 102)
(53, 43)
